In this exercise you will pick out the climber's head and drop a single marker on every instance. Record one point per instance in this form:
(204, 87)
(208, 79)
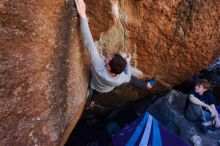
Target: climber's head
(115, 64)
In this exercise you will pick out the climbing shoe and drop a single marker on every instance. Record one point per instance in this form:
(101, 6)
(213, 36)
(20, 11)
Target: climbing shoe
(152, 81)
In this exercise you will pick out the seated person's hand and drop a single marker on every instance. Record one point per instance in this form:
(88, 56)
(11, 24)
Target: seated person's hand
(216, 123)
(211, 111)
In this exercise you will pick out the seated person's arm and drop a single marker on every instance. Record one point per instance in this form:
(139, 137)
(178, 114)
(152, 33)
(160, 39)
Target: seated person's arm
(196, 101)
(212, 102)
(216, 120)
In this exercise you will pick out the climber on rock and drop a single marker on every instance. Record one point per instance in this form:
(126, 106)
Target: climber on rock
(200, 105)
(111, 71)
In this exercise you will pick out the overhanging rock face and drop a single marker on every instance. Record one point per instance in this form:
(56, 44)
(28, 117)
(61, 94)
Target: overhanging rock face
(45, 71)
(171, 40)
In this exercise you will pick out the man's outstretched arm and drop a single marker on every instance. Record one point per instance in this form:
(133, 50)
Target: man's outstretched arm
(97, 61)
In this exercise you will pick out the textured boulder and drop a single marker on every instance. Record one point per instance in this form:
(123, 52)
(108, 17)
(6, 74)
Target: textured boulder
(43, 75)
(168, 39)
(171, 40)
(45, 72)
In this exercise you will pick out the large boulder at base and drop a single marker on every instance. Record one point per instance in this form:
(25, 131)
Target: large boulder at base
(169, 110)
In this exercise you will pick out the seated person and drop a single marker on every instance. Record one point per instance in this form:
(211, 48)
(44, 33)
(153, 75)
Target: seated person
(200, 105)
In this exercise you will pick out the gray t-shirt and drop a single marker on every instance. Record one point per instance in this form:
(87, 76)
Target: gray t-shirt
(101, 80)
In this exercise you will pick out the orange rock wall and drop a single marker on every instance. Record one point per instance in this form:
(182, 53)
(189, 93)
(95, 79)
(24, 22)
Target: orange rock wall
(168, 39)
(44, 76)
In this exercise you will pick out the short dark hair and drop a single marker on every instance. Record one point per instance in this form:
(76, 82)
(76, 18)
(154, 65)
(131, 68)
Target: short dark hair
(117, 64)
(205, 83)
